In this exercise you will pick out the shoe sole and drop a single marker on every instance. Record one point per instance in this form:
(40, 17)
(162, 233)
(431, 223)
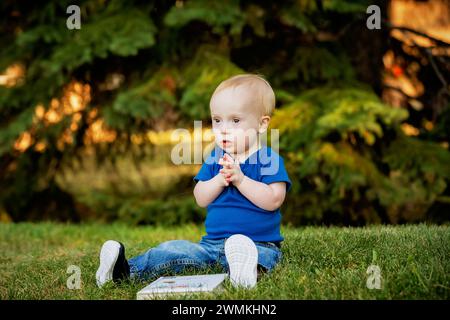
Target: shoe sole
(242, 258)
(108, 258)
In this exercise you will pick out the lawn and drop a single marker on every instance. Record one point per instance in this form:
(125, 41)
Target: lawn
(318, 262)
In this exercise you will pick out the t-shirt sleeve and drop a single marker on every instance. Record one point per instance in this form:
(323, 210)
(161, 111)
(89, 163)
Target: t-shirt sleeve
(275, 171)
(205, 173)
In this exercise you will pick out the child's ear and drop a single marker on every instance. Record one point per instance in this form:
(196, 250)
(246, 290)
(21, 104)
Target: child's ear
(263, 124)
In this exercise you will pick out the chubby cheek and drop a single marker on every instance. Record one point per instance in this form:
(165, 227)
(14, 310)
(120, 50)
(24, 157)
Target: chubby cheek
(239, 139)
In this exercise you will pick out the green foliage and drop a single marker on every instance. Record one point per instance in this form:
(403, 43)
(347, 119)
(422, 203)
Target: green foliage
(217, 14)
(105, 35)
(11, 131)
(138, 210)
(303, 14)
(334, 140)
(199, 82)
(318, 113)
(186, 89)
(319, 65)
(346, 6)
(341, 142)
(295, 17)
(423, 168)
(106, 30)
(144, 102)
(171, 211)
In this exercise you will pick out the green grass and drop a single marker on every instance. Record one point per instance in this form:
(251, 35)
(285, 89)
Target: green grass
(318, 263)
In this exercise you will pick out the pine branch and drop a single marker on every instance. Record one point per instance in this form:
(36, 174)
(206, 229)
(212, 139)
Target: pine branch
(406, 29)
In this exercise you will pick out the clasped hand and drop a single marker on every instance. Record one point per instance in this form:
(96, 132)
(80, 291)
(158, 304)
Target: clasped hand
(231, 171)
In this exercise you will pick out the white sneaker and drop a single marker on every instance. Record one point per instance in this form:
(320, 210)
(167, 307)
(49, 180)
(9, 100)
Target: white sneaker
(108, 258)
(242, 257)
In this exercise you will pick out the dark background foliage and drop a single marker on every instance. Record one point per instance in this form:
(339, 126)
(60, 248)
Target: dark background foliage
(86, 114)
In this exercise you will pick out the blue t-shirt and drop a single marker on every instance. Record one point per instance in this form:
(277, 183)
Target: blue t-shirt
(231, 212)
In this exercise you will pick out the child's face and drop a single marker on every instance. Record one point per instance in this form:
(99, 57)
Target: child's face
(235, 119)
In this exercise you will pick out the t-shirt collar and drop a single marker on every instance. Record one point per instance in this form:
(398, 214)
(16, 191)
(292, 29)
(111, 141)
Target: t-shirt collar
(253, 156)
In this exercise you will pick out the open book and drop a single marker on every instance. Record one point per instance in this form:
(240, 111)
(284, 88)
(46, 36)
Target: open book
(182, 284)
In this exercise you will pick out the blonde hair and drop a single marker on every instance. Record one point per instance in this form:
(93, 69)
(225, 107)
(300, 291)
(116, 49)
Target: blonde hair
(261, 87)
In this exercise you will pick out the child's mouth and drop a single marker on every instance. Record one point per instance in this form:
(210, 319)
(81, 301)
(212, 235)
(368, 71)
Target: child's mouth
(226, 142)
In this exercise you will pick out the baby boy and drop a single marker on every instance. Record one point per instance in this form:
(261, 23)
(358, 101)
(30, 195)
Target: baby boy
(242, 184)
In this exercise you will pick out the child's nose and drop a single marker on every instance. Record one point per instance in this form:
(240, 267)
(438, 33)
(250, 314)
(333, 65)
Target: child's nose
(224, 129)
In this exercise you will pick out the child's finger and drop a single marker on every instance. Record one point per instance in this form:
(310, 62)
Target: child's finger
(228, 166)
(225, 180)
(225, 163)
(228, 158)
(227, 175)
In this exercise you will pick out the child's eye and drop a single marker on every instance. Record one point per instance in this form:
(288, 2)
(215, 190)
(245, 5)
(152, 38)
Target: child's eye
(235, 120)
(216, 120)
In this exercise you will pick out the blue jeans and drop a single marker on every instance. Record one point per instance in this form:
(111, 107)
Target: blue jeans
(176, 255)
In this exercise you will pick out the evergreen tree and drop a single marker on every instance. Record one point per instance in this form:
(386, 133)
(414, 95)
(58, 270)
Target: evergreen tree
(140, 65)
